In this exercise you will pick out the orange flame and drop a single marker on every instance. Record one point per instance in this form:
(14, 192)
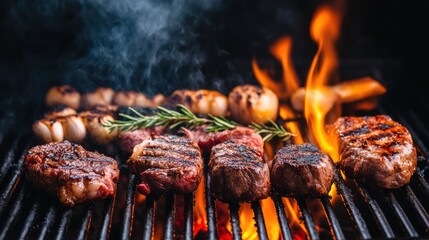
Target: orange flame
(325, 28)
(281, 50)
(200, 218)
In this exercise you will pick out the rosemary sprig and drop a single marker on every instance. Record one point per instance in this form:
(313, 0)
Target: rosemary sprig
(270, 130)
(171, 118)
(185, 118)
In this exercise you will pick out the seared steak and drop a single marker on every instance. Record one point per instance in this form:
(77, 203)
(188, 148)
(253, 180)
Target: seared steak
(375, 150)
(239, 134)
(167, 164)
(301, 171)
(238, 173)
(128, 140)
(74, 174)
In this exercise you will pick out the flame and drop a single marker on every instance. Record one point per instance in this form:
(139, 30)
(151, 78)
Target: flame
(325, 28)
(200, 218)
(281, 50)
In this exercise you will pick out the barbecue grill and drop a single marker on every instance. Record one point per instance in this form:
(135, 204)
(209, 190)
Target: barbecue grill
(353, 211)
(358, 211)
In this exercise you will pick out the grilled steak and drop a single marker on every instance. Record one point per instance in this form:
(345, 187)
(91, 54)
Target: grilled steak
(167, 164)
(238, 173)
(301, 171)
(375, 150)
(74, 174)
(239, 135)
(128, 140)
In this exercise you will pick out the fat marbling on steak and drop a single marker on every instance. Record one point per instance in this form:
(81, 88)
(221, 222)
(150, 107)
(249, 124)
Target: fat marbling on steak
(375, 149)
(167, 163)
(238, 173)
(301, 171)
(72, 173)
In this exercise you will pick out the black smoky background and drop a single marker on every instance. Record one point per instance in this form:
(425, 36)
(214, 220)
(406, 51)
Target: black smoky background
(159, 46)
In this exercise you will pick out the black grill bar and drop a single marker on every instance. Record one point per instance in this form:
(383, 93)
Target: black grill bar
(47, 223)
(64, 223)
(424, 185)
(235, 221)
(284, 226)
(259, 218)
(400, 214)
(417, 206)
(9, 158)
(30, 220)
(189, 216)
(86, 223)
(210, 207)
(13, 182)
(15, 211)
(148, 218)
(169, 225)
(107, 218)
(308, 219)
(332, 218)
(376, 212)
(129, 207)
(346, 196)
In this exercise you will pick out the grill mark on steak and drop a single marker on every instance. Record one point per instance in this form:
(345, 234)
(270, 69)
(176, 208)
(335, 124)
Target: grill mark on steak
(301, 171)
(238, 173)
(74, 174)
(167, 164)
(384, 156)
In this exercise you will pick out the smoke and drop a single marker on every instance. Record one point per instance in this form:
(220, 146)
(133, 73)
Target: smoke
(151, 46)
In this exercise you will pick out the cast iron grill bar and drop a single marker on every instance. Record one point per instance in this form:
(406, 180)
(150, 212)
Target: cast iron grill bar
(400, 214)
(308, 219)
(86, 223)
(376, 212)
(9, 158)
(7, 194)
(421, 128)
(210, 207)
(424, 185)
(129, 207)
(169, 226)
(259, 218)
(12, 183)
(64, 223)
(30, 219)
(47, 223)
(189, 216)
(334, 224)
(417, 206)
(235, 221)
(148, 218)
(284, 226)
(353, 211)
(107, 217)
(12, 217)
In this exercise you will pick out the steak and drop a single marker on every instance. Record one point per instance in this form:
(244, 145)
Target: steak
(167, 164)
(239, 134)
(238, 173)
(72, 173)
(128, 140)
(301, 171)
(375, 149)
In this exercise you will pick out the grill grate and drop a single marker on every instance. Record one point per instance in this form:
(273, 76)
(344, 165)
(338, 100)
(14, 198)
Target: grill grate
(25, 213)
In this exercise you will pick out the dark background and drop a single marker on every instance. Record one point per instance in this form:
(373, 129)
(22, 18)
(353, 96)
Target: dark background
(159, 46)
